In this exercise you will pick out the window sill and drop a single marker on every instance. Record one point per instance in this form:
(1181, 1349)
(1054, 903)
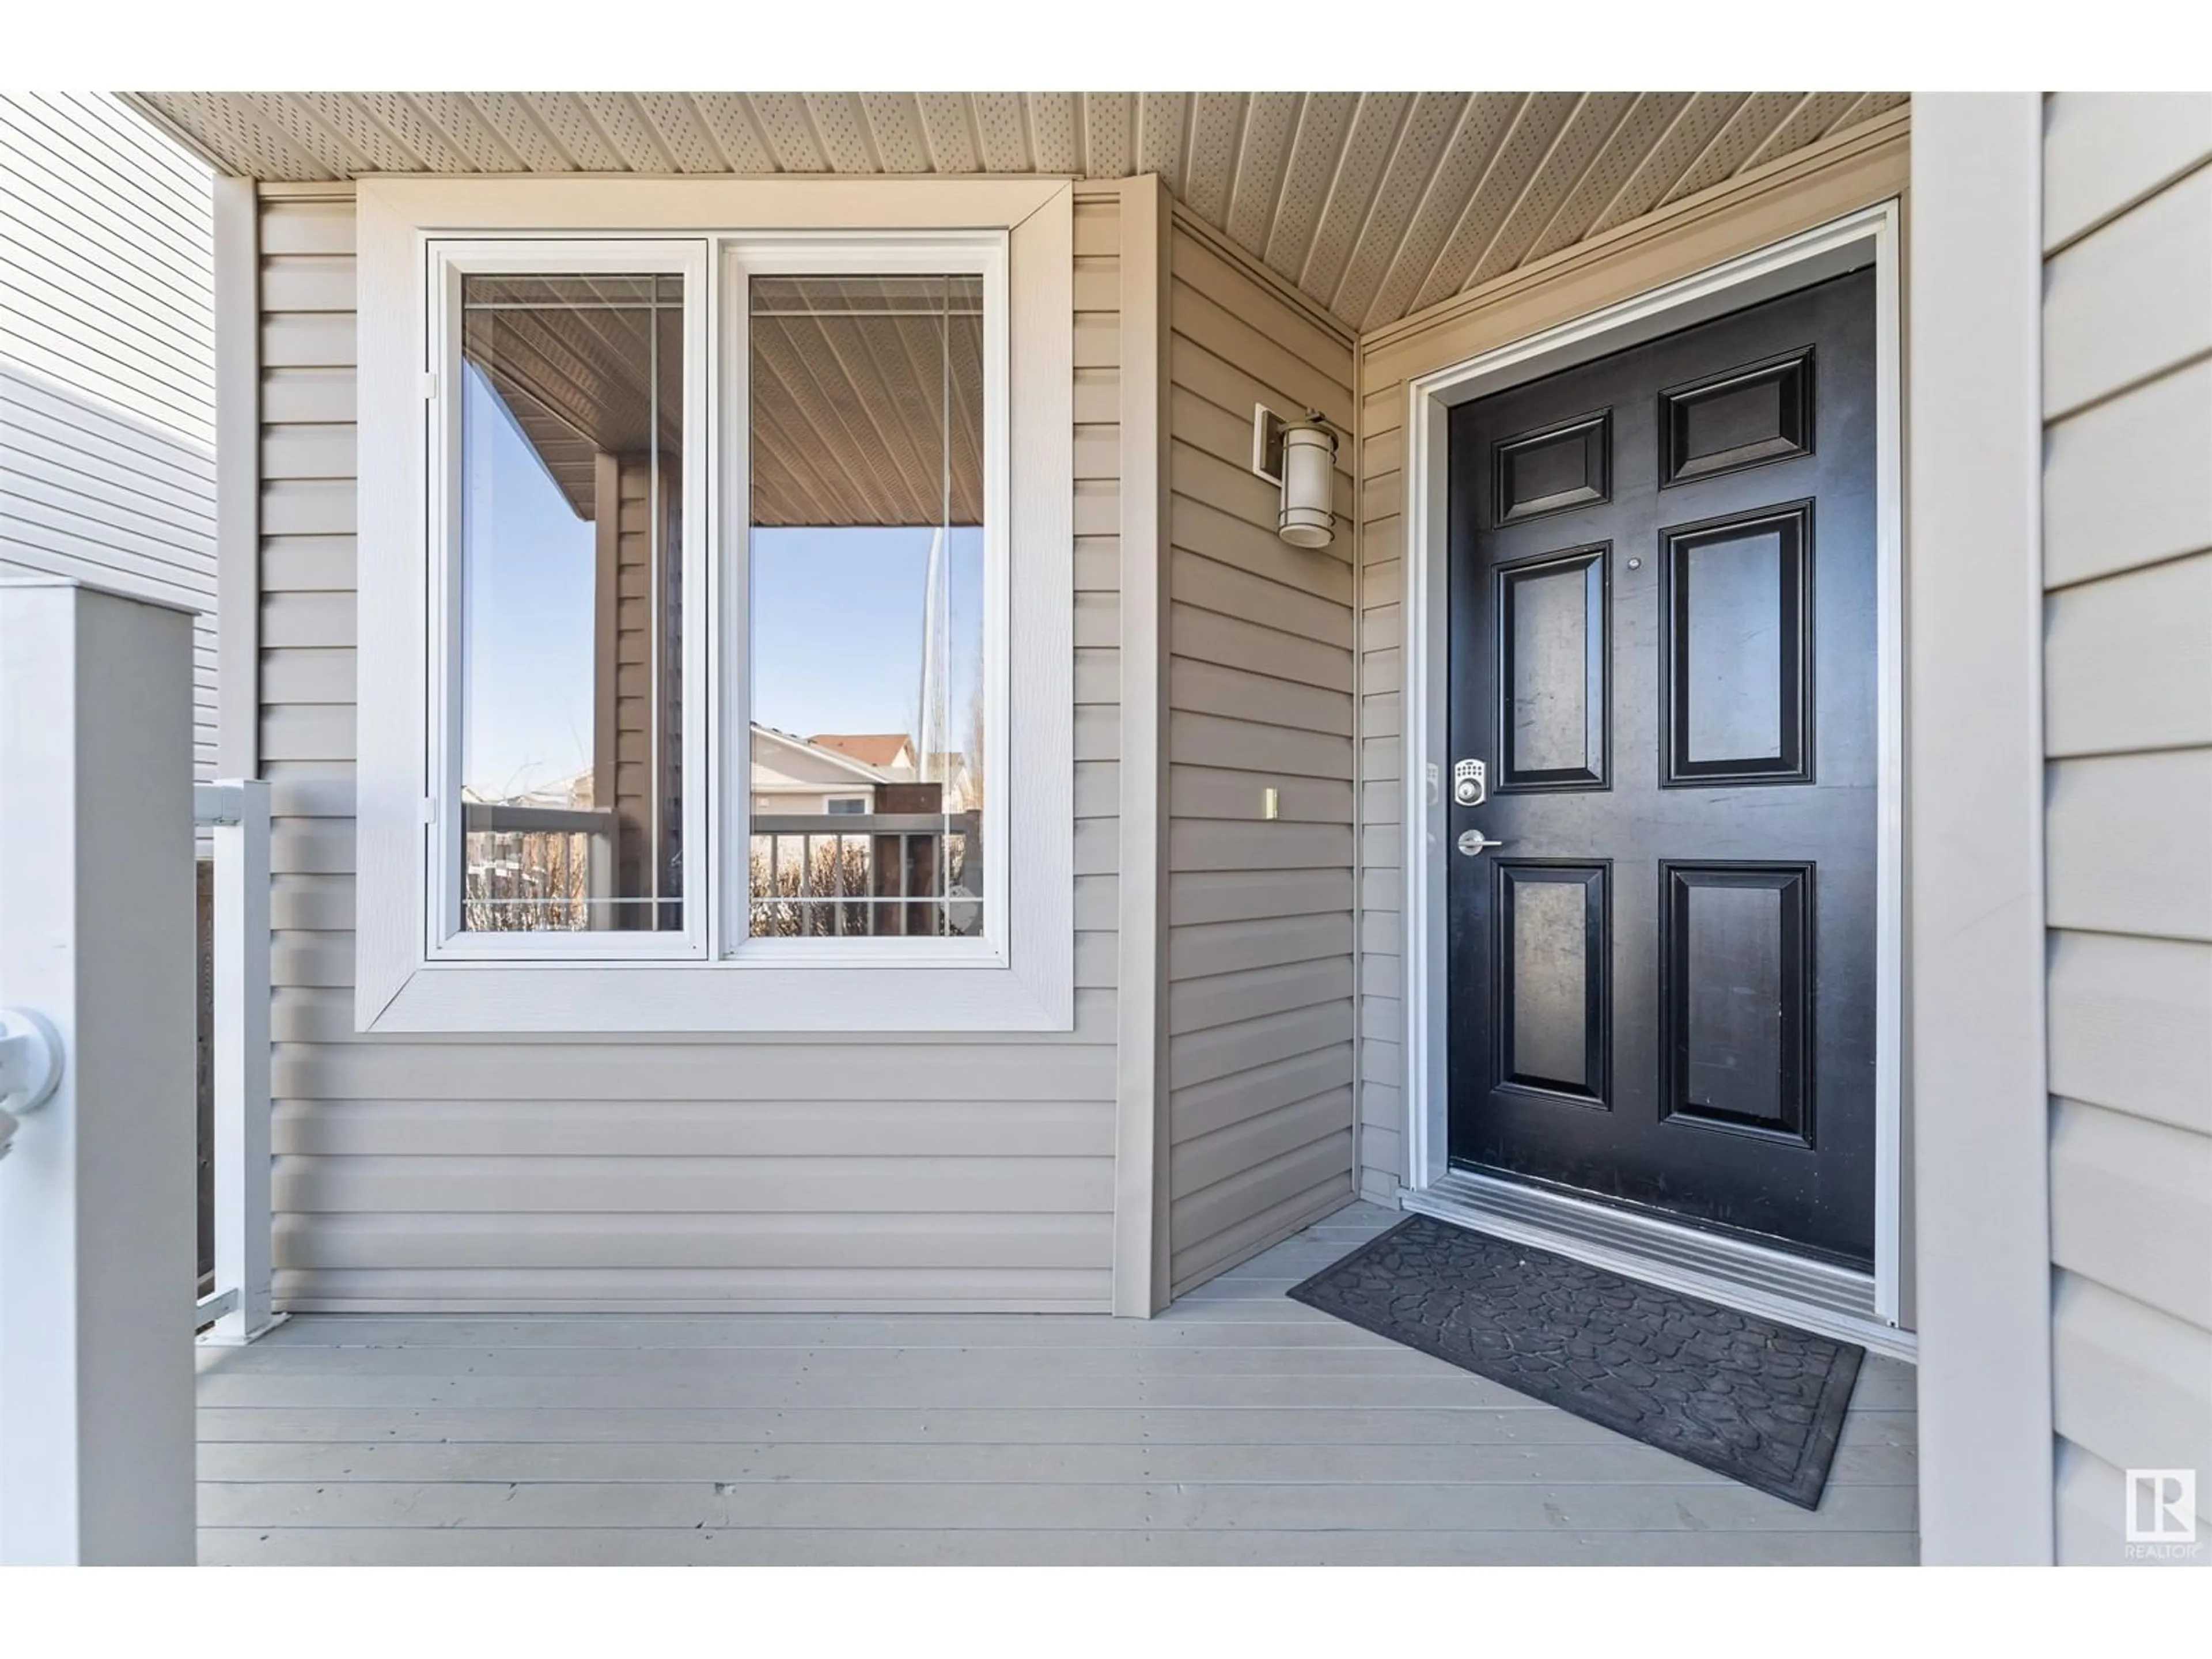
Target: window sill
(681, 997)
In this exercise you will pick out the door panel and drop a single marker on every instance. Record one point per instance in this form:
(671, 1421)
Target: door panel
(1551, 469)
(1735, 649)
(1551, 646)
(1735, 1003)
(1737, 418)
(1661, 955)
(1551, 974)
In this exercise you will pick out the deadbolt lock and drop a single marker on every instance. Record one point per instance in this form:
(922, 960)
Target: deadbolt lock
(1470, 782)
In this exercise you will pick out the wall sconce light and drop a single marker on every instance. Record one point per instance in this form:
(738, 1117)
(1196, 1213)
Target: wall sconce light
(1300, 459)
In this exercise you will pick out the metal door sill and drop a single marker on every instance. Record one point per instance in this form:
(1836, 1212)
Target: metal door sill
(1816, 1295)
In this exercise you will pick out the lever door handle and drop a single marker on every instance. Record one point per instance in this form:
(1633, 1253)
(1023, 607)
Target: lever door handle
(1474, 844)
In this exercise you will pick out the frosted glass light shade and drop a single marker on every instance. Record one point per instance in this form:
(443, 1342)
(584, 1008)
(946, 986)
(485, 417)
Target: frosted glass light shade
(1308, 518)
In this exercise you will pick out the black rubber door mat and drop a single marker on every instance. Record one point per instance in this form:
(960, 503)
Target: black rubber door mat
(1760, 1402)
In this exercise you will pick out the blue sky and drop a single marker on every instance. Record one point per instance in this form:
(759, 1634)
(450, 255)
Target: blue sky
(837, 630)
(526, 610)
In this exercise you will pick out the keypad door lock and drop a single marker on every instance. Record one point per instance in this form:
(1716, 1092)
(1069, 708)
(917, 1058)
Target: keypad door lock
(1470, 782)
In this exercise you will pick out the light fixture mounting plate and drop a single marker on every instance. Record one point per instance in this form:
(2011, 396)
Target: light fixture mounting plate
(1268, 429)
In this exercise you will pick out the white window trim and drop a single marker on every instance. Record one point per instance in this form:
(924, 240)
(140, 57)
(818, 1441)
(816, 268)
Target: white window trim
(830, 804)
(399, 985)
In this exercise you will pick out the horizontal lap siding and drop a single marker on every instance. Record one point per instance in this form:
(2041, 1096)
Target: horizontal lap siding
(2128, 731)
(107, 362)
(849, 1172)
(1261, 683)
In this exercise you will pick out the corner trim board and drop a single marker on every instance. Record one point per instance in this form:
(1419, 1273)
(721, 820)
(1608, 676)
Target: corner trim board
(1141, 1137)
(237, 476)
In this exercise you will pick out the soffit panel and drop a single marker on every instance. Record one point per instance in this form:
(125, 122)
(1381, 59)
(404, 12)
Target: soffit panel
(1373, 204)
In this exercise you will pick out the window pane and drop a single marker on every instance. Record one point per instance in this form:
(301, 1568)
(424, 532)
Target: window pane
(866, 620)
(572, 448)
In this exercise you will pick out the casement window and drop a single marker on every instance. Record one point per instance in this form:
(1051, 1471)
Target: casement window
(715, 668)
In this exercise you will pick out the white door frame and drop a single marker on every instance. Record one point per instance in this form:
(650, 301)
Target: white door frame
(1869, 236)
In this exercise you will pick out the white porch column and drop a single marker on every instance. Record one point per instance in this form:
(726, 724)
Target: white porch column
(1980, 1105)
(97, 1190)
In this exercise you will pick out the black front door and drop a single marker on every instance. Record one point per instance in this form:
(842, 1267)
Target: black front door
(1663, 655)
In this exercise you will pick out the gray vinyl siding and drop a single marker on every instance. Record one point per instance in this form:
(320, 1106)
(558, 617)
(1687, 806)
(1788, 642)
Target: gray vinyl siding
(1260, 687)
(962, 1172)
(2128, 731)
(108, 360)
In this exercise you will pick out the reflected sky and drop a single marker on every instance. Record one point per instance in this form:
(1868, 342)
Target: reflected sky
(527, 596)
(838, 620)
(837, 628)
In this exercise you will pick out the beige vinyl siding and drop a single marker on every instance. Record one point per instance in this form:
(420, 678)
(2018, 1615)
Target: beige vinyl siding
(1259, 689)
(1763, 205)
(846, 1172)
(107, 362)
(1380, 767)
(2128, 729)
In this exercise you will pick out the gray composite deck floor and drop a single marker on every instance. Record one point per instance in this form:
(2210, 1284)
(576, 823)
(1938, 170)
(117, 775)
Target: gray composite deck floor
(1238, 1427)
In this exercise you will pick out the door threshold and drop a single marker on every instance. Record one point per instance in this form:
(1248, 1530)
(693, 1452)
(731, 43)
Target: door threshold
(1755, 1279)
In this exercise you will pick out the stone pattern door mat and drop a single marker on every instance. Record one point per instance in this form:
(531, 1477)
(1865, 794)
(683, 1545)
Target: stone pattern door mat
(1743, 1396)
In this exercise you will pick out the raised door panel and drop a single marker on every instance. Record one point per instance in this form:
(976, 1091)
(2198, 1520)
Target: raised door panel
(1746, 416)
(1735, 649)
(1552, 654)
(1550, 979)
(1552, 469)
(1736, 997)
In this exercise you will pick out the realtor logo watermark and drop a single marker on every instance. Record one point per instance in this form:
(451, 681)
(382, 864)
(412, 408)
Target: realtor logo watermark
(2161, 1519)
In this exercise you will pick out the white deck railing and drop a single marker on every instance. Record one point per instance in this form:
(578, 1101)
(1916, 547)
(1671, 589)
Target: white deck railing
(238, 1309)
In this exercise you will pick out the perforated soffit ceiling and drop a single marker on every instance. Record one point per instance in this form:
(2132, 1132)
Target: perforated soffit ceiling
(1375, 205)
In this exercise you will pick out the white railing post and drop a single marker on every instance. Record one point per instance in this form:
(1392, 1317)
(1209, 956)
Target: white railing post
(240, 826)
(96, 1190)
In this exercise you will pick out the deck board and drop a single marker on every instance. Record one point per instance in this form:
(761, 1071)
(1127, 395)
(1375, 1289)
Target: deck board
(1238, 1428)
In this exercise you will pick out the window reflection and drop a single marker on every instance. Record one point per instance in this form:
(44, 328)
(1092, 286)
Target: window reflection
(868, 760)
(571, 604)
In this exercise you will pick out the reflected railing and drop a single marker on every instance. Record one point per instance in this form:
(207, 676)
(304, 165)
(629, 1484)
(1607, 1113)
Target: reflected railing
(872, 875)
(535, 869)
(865, 875)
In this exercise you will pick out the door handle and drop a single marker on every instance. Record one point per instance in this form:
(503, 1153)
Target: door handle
(1474, 844)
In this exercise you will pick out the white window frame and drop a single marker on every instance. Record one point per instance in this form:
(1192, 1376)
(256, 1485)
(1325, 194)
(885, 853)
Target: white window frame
(831, 804)
(1021, 980)
(818, 254)
(449, 261)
